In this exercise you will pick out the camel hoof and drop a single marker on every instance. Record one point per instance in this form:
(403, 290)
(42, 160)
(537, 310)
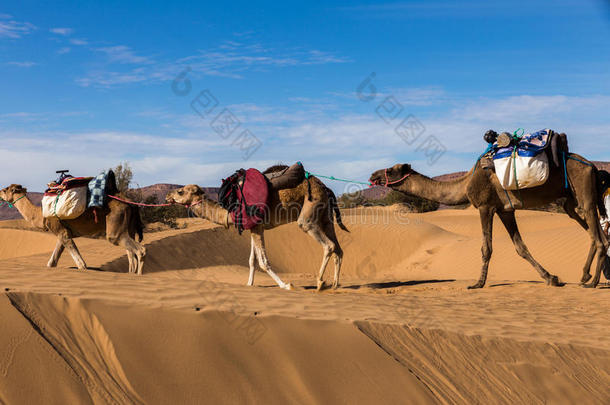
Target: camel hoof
(590, 285)
(335, 286)
(289, 287)
(554, 281)
(476, 286)
(320, 286)
(585, 278)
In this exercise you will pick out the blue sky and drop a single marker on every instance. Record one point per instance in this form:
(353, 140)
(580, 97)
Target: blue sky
(88, 85)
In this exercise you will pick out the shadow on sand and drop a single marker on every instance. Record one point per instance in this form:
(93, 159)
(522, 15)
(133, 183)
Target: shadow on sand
(387, 284)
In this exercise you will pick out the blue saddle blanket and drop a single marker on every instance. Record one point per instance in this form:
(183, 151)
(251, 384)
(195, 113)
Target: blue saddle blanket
(529, 145)
(99, 188)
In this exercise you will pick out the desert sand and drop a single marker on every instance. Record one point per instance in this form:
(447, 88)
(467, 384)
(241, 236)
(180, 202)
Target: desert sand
(402, 328)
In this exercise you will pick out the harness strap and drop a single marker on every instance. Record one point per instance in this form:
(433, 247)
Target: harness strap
(515, 166)
(567, 156)
(565, 169)
(509, 200)
(11, 204)
(581, 161)
(490, 147)
(388, 182)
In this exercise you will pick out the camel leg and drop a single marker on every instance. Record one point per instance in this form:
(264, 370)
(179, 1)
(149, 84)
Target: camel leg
(135, 251)
(596, 235)
(510, 223)
(329, 231)
(131, 258)
(259, 247)
(76, 256)
(329, 247)
(252, 261)
(59, 249)
(487, 221)
(570, 208)
(585, 193)
(140, 255)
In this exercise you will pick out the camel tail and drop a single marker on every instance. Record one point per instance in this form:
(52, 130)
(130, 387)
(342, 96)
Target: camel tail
(137, 222)
(332, 201)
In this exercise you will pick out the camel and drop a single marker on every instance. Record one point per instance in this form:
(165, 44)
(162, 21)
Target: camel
(482, 189)
(315, 217)
(119, 221)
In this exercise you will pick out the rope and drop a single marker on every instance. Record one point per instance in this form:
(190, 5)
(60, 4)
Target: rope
(565, 169)
(515, 166)
(10, 204)
(581, 161)
(490, 147)
(517, 131)
(509, 201)
(138, 204)
(309, 174)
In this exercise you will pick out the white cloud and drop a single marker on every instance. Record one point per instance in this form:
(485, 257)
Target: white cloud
(123, 54)
(231, 59)
(9, 28)
(336, 143)
(64, 50)
(62, 31)
(24, 64)
(79, 42)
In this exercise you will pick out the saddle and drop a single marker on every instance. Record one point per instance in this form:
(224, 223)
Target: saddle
(524, 162)
(245, 194)
(66, 199)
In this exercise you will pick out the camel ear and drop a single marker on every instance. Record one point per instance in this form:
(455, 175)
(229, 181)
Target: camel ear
(17, 188)
(199, 191)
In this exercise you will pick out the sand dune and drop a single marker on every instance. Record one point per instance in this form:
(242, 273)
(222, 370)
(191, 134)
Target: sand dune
(401, 329)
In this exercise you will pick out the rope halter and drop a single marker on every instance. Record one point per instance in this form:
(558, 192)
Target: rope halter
(11, 204)
(389, 183)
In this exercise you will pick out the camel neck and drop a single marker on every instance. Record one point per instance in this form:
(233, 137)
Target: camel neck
(213, 212)
(445, 192)
(30, 212)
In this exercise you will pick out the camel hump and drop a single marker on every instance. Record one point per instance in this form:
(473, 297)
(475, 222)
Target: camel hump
(282, 177)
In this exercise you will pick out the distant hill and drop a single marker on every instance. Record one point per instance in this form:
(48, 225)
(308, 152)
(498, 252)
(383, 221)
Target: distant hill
(158, 190)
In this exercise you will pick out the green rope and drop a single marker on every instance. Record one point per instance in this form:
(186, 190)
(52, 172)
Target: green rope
(11, 205)
(509, 201)
(55, 204)
(515, 166)
(517, 131)
(308, 175)
(581, 161)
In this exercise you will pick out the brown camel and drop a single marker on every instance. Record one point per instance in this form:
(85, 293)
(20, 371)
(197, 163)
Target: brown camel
(482, 189)
(314, 217)
(119, 221)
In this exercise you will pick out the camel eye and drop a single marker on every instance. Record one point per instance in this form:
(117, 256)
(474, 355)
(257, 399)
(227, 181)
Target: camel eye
(180, 192)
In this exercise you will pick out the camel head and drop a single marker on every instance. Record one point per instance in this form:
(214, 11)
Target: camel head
(187, 195)
(13, 192)
(392, 176)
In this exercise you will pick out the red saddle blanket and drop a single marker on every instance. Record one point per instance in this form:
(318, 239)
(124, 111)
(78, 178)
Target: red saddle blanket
(245, 195)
